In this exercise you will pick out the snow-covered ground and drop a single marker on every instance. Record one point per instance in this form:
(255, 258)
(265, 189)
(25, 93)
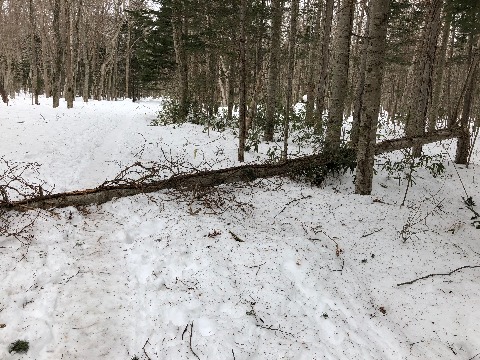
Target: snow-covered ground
(164, 275)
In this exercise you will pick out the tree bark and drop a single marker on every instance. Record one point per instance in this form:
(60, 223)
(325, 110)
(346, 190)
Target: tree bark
(375, 60)
(438, 81)
(69, 95)
(205, 179)
(312, 66)
(423, 74)
(291, 67)
(277, 9)
(181, 59)
(463, 143)
(359, 93)
(57, 58)
(34, 54)
(324, 61)
(339, 74)
(243, 84)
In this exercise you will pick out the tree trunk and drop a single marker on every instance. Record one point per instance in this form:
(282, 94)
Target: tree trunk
(34, 54)
(243, 83)
(440, 69)
(205, 179)
(339, 74)
(57, 58)
(358, 101)
(463, 143)
(375, 60)
(324, 63)
(312, 67)
(181, 59)
(291, 67)
(422, 74)
(69, 95)
(277, 9)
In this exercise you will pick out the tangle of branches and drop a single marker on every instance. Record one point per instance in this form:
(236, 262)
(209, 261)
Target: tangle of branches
(16, 184)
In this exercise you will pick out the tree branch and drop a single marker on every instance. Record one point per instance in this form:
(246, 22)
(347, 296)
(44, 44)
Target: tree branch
(446, 274)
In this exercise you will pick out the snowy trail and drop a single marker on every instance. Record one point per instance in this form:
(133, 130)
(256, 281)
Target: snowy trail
(131, 276)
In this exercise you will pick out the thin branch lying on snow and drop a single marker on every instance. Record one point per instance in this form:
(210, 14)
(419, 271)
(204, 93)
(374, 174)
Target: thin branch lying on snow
(191, 333)
(371, 233)
(474, 356)
(293, 201)
(270, 327)
(445, 274)
(145, 351)
(15, 184)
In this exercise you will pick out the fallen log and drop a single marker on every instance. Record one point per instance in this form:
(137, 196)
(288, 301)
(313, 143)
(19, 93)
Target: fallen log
(204, 179)
(406, 142)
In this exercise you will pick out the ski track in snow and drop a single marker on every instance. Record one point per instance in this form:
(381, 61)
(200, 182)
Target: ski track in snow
(135, 274)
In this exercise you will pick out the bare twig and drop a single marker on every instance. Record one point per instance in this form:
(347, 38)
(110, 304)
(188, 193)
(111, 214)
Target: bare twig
(235, 237)
(293, 201)
(145, 351)
(184, 330)
(373, 232)
(191, 333)
(445, 274)
(474, 356)
(270, 327)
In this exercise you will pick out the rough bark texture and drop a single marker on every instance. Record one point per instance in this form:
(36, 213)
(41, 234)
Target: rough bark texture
(440, 69)
(69, 94)
(463, 143)
(375, 60)
(410, 141)
(358, 101)
(101, 194)
(339, 73)
(242, 126)
(291, 67)
(423, 74)
(277, 8)
(181, 59)
(324, 60)
(34, 54)
(57, 60)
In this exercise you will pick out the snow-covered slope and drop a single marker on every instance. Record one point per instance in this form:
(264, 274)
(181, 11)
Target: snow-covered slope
(270, 270)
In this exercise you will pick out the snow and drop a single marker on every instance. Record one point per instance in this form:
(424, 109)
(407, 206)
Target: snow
(160, 276)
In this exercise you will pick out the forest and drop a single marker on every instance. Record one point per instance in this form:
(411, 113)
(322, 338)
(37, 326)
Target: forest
(239, 179)
(252, 61)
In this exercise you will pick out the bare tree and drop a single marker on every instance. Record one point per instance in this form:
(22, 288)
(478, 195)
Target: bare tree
(375, 60)
(273, 72)
(340, 68)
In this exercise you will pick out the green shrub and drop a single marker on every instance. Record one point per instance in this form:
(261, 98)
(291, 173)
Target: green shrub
(407, 167)
(19, 346)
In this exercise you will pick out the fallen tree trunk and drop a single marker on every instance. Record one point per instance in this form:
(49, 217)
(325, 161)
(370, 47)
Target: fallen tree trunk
(201, 179)
(406, 142)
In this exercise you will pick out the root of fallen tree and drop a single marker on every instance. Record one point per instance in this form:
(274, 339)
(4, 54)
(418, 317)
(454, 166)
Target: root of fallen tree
(201, 179)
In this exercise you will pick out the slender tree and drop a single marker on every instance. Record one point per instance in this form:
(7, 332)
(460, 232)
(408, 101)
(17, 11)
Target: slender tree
(340, 68)
(375, 60)
(291, 67)
(275, 45)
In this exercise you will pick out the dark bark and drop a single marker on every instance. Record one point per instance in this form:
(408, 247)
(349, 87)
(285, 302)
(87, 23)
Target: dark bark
(375, 60)
(205, 179)
(291, 66)
(410, 141)
(57, 60)
(243, 84)
(463, 143)
(324, 61)
(277, 8)
(423, 74)
(339, 74)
